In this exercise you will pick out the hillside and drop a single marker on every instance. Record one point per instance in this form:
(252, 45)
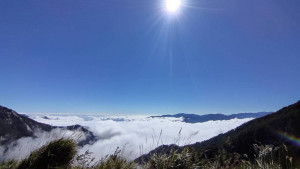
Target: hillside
(270, 129)
(273, 129)
(14, 126)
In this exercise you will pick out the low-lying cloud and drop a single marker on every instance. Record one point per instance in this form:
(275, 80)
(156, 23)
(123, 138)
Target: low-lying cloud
(135, 135)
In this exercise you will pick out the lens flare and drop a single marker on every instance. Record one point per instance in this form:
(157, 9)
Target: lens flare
(290, 138)
(173, 5)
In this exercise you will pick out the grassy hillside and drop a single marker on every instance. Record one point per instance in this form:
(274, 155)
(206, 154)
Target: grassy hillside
(272, 129)
(279, 129)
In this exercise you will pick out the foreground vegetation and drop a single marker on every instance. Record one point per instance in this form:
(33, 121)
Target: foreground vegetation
(62, 153)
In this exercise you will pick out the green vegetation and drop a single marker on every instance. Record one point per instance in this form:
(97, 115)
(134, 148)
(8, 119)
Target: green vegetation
(11, 164)
(183, 160)
(62, 153)
(56, 154)
(266, 157)
(113, 161)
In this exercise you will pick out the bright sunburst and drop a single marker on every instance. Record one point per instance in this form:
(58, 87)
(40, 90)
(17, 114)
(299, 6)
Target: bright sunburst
(173, 5)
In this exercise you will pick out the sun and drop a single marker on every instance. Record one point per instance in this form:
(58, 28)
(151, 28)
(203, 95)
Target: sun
(173, 5)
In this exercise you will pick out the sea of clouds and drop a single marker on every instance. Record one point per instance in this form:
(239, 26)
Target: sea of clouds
(134, 135)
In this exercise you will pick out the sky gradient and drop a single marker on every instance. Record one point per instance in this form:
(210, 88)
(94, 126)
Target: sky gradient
(132, 57)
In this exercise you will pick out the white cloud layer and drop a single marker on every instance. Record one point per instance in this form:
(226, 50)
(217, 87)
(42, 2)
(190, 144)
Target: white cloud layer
(136, 135)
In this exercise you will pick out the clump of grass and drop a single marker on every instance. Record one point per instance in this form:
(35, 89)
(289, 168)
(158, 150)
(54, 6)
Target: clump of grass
(56, 154)
(83, 161)
(11, 164)
(179, 160)
(269, 156)
(114, 161)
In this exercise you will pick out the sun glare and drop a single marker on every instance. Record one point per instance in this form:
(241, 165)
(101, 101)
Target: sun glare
(173, 5)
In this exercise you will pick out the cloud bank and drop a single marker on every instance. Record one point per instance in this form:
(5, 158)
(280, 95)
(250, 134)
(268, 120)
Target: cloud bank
(135, 135)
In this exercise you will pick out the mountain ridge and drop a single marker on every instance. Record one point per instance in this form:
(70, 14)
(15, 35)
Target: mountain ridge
(194, 118)
(14, 126)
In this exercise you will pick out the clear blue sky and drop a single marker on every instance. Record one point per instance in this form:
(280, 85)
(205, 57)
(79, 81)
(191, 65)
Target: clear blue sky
(132, 57)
